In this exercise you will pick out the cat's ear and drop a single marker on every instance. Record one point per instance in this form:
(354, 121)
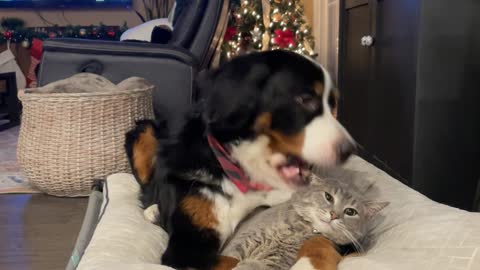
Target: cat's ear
(372, 208)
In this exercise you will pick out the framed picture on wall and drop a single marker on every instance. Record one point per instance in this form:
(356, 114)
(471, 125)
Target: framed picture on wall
(10, 106)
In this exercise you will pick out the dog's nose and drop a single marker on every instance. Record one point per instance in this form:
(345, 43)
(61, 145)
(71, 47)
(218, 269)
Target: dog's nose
(345, 149)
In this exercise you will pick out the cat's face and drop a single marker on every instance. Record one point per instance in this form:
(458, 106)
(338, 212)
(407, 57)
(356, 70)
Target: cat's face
(336, 211)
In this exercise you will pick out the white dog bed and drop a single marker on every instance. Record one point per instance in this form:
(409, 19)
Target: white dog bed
(416, 232)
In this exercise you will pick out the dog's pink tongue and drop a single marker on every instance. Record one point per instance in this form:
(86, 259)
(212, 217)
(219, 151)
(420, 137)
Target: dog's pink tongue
(290, 171)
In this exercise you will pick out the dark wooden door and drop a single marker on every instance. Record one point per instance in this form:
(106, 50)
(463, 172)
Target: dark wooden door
(393, 84)
(378, 80)
(354, 68)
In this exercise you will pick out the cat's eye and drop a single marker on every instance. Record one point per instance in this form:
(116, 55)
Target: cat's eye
(328, 197)
(350, 212)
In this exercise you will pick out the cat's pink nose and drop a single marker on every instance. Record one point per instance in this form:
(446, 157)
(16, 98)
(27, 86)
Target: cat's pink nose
(333, 215)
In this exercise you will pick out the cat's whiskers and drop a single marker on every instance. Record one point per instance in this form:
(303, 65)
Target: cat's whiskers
(356, 244)
(341, 227)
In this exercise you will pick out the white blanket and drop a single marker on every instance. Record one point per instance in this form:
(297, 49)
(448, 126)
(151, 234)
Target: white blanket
(123, 239)
(416, 233)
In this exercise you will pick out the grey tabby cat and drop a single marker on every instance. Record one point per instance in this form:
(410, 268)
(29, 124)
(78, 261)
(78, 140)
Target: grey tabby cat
(272, 238)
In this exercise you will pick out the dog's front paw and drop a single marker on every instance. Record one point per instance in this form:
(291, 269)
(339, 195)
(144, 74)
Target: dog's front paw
(151, 213)
(276, 197)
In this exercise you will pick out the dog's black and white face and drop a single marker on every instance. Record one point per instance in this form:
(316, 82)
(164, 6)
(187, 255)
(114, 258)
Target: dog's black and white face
(276, 110)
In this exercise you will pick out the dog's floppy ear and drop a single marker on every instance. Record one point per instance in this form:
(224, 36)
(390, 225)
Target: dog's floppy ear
(233, 99)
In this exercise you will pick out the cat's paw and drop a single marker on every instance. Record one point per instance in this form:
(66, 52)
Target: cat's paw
(151, 213)
(276, 197)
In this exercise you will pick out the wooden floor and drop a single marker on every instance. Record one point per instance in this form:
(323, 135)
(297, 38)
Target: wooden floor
(38, 232)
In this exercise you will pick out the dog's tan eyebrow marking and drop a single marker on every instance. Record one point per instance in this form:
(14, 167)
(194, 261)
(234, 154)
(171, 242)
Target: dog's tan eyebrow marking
(279, 142)
(144, 150)
(319, 87)
(201, 211)
(263, 123)
(287, 144)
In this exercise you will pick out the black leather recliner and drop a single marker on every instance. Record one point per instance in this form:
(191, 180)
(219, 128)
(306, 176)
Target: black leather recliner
(196, 38)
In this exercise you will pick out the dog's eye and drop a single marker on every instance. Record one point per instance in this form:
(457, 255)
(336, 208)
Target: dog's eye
(328, 197)
(308, 102)
(350, 212)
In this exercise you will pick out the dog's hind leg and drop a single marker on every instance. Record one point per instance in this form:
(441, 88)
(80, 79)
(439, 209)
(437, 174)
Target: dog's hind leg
(141, 146)
(195, 240)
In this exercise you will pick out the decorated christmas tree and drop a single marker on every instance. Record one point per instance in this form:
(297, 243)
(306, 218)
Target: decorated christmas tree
(261, 25)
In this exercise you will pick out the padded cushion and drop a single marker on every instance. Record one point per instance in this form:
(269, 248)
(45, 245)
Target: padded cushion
(416, 233)
(187, 23)
(123, 239)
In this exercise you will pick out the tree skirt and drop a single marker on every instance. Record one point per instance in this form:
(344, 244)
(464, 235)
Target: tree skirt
(11, 179)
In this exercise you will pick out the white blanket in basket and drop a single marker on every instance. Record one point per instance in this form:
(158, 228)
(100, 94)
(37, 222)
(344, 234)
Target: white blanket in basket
(417, 233)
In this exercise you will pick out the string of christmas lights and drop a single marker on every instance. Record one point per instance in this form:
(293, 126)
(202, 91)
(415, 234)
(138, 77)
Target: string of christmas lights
(286, 29)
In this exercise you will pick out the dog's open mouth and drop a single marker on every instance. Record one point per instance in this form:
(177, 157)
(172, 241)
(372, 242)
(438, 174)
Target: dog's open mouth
(295, 171)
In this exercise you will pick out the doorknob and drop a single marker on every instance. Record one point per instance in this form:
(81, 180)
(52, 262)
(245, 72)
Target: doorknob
(366, 41)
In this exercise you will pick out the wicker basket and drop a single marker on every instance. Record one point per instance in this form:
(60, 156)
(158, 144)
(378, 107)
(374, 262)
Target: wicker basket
(68, 140)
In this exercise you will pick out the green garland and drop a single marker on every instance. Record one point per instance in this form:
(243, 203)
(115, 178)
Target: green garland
(18, 34)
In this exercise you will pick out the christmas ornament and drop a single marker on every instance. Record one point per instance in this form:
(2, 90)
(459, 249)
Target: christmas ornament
(8, 35)
(82, 31)
(231, 31)
(25, 43)
(256, 34)
(276, 17)
(284, 38)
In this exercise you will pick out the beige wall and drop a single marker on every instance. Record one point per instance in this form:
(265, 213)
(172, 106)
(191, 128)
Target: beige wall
(77, 17)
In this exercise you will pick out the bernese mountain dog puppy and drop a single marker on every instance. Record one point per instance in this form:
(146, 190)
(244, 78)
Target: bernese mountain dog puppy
(265, 119)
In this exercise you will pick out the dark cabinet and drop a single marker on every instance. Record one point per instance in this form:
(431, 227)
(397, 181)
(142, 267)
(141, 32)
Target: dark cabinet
(409, 72)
